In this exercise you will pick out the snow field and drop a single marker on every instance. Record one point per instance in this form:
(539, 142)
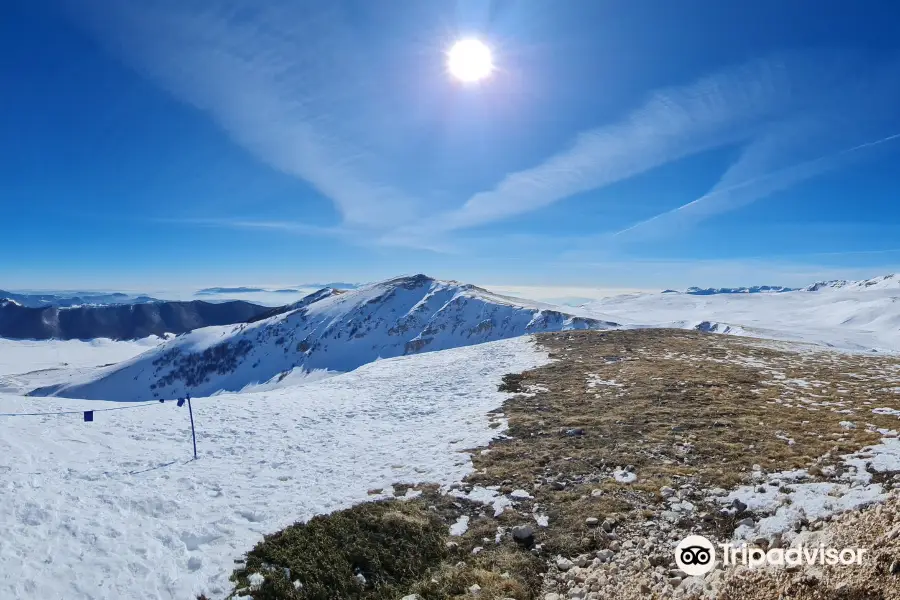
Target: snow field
(116, 508)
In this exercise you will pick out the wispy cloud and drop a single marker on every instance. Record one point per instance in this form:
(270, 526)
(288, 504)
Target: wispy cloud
(286, 80)
(831, 129)
(293, 227)
(797, 116)
(720, 109)
(726, 196)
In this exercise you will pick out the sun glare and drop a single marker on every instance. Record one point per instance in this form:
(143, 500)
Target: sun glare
(469, 60)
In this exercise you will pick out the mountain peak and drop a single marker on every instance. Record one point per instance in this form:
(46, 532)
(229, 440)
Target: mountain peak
(331, 330)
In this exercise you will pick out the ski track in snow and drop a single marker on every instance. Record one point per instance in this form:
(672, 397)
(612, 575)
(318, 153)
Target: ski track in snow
(116, 508)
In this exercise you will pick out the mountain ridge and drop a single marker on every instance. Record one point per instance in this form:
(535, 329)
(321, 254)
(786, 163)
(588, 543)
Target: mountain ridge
(331, 331)
(119, 321)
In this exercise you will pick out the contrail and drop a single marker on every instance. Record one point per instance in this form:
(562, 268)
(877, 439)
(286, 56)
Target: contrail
(763, 178)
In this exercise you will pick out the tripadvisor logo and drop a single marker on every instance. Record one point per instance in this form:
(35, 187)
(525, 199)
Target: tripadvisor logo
(696, 555)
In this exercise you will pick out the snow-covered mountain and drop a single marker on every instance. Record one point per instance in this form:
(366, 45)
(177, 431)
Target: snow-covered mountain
(66, 299)
(885, 282)
(119, 321)
(855, 315)
(756, 289)
(330, 330)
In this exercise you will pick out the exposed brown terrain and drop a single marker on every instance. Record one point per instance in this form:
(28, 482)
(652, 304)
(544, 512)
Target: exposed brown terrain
(627, 441)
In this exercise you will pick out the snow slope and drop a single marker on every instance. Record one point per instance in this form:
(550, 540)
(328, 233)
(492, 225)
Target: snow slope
(116, 509)
(335, 332)
(861, 315)
(27, 364)
(885, 282)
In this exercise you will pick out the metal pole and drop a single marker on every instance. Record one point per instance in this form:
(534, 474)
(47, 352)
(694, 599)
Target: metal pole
(193, 433)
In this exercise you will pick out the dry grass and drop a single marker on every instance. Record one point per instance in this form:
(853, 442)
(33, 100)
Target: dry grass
(677, 406)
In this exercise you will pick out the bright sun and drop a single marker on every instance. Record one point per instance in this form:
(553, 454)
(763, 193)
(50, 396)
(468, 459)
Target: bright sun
(469, 60)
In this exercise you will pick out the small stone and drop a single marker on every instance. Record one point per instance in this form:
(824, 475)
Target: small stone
(592, 521)
(596, 493)
(762, 542)
(605, 554)
(523, 533)
(564, 564)
(475, 589)
(739, 506)
(666, 491)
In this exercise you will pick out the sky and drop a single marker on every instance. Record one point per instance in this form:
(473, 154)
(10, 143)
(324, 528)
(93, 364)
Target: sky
(180, 144)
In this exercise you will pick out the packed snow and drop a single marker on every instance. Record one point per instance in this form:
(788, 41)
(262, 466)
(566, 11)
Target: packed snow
(116, 508)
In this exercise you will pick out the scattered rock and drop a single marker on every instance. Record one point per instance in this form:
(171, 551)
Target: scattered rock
(523, 533)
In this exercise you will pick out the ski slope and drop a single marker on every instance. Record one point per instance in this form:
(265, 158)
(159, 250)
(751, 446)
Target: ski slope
(328, 332)
(116, 509)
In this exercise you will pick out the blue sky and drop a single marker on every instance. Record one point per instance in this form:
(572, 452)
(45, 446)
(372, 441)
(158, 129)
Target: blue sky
(182, 144)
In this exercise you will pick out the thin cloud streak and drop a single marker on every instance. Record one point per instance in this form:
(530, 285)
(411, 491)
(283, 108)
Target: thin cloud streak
(720, 109)
(723, 198)
(285, 226)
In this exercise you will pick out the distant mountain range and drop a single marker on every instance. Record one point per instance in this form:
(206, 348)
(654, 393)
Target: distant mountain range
(41, 299)
(118, 321)
(756, 289)
(330, 330)
(882, 283)
(224, 291)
